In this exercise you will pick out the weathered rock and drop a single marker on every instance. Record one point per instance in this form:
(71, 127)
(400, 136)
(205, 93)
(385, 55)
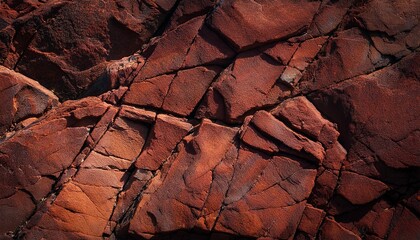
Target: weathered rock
(328, 17)
(249, 23)
(266, 194)
(254, 138)
(389, 132)
(304, 117)
(21, 98)
(349, 188)
(208, 48)
(347, 55)
(96, 184)
(166, 134)
(137, 114)
(238, 88)
(374, 223)
(171, 49)
(166, 204)
(332, 230)
(64, 46)
(30, 169)
(123, 140)
(314, 103)
(268, 124)
(187, 89)
(149, 92)
(187, 10)
(311, 221)
(306, 53)
(282, 52)
(405, 224)
(323, 191)
(396, 25)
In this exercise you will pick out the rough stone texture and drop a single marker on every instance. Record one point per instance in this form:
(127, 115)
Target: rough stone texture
(65, 44)
(238, 88)
(166, 134)
(22, 99)
(249, 23)
(257, 119)
(30, 171)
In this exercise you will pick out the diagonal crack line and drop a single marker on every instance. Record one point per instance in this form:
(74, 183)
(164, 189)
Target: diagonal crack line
(55, 190)
(131, 171)
(129, 213)
(237, 141)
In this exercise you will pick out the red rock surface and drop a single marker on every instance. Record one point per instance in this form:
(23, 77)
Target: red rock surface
(65, 45)
(209, 119)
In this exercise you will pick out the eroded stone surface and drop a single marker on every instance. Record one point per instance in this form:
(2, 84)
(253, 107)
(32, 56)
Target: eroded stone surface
(238, 120)
(65, 47)
(22, 98)
(249, 23)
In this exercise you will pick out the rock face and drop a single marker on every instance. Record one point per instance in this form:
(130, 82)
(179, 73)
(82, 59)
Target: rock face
(23, 99)
(65, 45)
(210, 119)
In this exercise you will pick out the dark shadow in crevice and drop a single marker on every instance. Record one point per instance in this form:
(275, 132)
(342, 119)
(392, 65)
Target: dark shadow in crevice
(183, 234)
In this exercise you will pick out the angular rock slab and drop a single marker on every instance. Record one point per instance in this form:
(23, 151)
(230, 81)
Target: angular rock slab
(84, 205)
(66, 48)
(21, 98)
(175, 198)
(212, 184)
(34, 158)
(237, 89)
(249, 23)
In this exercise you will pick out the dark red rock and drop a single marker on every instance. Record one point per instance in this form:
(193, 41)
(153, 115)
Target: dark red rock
(347, 55)
(323, 191)
(266, 194)
(282, 52)
(376, 222)
(306, 52)
(279, 131)
(21, 98)
(171, 49)
(64, 46)
(238, 88)
(396, 24)
(304, 117)
(328, 17)
(359, 189)
(187, 89)
(208, 48)
(123, 140)
(137, 114)
(123, 71)
(314, 103)
(247, 24)
(187, 10)
(387, 133)
(96, 184)
(254, 138)
(166, 134)
(166, 205)
(311, 221)
(391, 17)
(149, 92)
(332, 230)
(405, 225)
(30, 169)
